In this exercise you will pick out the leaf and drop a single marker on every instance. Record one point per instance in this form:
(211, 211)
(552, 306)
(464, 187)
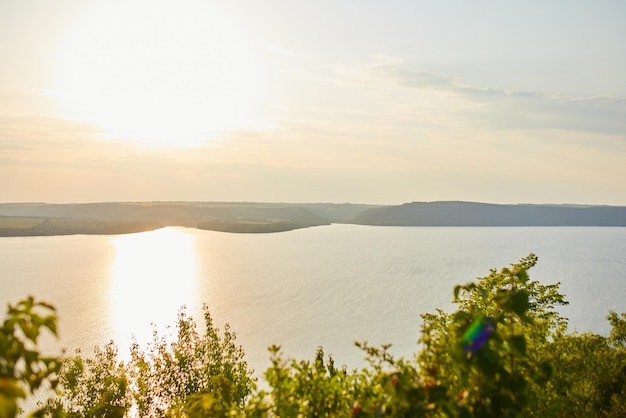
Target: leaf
(461, 317)
(519, 302)
(47, 306)
(547, 368)
(27, 303)
(522, 275)
(518, 342)
(50, 322)
(8, 406)
(10, 387)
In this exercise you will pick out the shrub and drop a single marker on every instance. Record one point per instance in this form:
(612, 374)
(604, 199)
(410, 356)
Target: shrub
(167, 374)
(91, 386)
(504, 352)
(23, 369)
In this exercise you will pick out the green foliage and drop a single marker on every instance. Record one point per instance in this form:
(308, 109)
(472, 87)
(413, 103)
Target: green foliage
(23, 369)
(217, 402)
(504, 352)
(394, 387)
(502, 376)
(92, 386)
(194, 375)
(304, 388)
(168, 374)
(590, 374)
(617, 337)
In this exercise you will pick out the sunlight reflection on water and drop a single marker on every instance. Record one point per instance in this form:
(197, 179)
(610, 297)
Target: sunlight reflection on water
(153, 275)
(326, 286)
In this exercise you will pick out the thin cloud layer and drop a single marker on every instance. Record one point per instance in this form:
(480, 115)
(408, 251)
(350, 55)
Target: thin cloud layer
(399, 102)
(505, 109)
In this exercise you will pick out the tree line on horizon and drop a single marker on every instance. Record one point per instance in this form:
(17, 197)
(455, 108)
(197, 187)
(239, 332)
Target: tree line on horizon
(503, 352)
(112, 218)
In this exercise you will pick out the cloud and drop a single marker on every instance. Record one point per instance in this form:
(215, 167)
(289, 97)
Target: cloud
(39, 132)
(492, 107)
(529, 111)
(410, 77)
(375, 131)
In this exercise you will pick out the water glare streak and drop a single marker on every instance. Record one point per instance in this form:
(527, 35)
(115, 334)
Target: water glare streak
(153, 274)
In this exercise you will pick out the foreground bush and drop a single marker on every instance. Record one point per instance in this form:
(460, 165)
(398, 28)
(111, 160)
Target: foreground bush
(195, 372)
(504, 352)
(23, 369)
(195, 369)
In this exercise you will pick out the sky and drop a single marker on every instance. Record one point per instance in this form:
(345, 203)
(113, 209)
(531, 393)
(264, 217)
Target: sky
(359, 101)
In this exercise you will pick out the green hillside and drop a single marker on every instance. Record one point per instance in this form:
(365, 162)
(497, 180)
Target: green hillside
(22, 219)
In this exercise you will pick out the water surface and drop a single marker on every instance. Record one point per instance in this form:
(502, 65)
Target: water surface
(326, 286)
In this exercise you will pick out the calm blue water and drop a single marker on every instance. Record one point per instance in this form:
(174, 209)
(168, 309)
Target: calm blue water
(325, 286)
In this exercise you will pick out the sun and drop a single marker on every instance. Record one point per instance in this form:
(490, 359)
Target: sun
(160, 72)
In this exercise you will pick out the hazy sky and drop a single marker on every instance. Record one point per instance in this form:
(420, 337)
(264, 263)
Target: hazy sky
(313, 101)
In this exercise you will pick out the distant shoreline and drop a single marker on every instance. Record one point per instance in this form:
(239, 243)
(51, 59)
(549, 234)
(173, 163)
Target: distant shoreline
(40, 219)
(121, 229)
(14, 227)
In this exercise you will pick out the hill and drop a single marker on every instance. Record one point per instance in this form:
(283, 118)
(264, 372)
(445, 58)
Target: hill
(483, 214)
(20, 219)
(26, 219)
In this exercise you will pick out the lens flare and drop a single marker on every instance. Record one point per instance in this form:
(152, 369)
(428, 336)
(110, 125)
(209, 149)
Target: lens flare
(477, 334)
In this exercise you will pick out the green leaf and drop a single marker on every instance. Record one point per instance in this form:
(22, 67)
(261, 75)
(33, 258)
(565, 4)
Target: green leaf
(518, 342)
(522, 275)
(519, 302)
(461, 318)
(547, 369)
(9, 387)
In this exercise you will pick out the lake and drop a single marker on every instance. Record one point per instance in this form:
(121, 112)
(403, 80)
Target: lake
(326, 286)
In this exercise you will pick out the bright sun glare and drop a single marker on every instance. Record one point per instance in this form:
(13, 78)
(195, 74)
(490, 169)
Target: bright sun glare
(154, 274)
(160, 72)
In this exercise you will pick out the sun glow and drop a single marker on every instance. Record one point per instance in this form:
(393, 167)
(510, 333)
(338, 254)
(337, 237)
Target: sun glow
(154, 274)
(160, 72)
